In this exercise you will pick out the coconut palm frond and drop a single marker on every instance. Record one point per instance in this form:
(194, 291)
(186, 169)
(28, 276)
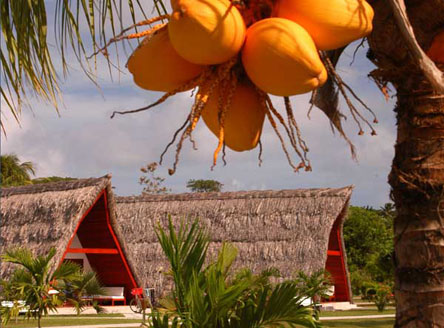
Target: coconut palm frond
(66, 271)
(20, 256)
(28, 167)
(76, 285)
(13, 172)
(186, 251)
(92, 285)
(273, 306)
(284, 306)
(30, 44)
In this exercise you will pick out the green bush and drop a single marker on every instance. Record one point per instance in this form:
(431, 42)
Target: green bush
(382, 297)
(208, 294)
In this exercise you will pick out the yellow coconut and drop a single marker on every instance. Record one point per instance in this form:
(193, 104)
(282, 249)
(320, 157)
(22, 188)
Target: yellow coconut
(281, 58)
(156, 66)
(243, 120)
(206, 32)
(331, 23)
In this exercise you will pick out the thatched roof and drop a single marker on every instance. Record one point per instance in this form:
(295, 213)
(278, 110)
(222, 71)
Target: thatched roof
(286, 229)
(45, 215)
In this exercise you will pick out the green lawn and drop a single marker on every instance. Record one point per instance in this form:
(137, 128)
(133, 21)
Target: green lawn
(107, 318)
(67, 321)
(106, 315)
(373, 323)
(356, 312)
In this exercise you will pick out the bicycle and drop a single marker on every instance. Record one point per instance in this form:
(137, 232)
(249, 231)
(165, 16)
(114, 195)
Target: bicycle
(142, 296)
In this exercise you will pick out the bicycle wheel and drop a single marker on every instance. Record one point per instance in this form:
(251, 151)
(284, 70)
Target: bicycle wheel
(135, 306)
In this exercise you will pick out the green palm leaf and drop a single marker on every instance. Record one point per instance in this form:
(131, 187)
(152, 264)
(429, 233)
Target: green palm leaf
(28, 50)
(13, 172)
(186, 251)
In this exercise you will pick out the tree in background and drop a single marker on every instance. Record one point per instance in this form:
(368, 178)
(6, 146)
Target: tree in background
(152, 184)
(368, 238)
(50, 179)
(204, 185)
(388, 211)
(14, 173)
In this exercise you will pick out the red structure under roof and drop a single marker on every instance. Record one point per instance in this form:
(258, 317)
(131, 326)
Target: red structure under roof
(101, 247)
(336, 264)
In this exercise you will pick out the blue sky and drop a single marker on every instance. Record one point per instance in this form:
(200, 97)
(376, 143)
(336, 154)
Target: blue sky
(84, 142)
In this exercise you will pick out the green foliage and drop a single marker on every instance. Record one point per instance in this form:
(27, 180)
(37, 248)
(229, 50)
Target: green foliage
(27, 53)
(207, 296)
(368, 237)
(185, 250)
(74, 290)
(14, 173)
(382, 297)
(51, 179)
(152, 183)
(33, 279)
(204, 185)
(360, 281)
(9, 293)
(315, 286)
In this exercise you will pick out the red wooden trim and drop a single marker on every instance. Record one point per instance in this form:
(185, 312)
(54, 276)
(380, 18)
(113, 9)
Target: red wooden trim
(94, 250)
(78, 225)
(117, 242)
(334, 253)
(341, 250)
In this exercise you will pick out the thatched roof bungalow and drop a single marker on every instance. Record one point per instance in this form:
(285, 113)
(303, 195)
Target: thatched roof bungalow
(289, 230)
(76, 217)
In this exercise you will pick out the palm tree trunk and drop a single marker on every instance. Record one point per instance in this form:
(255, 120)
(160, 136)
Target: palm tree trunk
(417, 180)
(417, 175)
(39, 318)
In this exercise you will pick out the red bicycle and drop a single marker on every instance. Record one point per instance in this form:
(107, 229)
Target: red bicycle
(142, 296)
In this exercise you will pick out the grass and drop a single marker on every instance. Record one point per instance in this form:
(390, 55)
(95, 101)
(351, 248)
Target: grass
(107, 315)
(356, 312)
(66, 321)
(373, 323)
(84, 320)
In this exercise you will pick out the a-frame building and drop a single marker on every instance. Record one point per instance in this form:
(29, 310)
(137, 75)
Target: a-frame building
(77, 218)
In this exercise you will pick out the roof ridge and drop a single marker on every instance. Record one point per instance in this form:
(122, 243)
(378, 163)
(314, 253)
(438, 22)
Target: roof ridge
(55, 186)
(285, 193)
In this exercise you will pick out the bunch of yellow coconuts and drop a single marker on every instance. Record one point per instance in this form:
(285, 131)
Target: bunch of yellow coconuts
(237, 53)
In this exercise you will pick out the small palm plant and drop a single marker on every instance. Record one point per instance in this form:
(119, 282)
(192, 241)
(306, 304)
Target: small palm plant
(11, 305)
(33, 280)
(212, 296)
(76, 291)
(315, 286)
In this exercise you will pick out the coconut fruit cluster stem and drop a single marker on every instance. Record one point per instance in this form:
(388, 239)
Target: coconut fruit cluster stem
(238, 53)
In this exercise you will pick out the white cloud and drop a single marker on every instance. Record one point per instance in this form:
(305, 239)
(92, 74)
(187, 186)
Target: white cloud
(85, 142)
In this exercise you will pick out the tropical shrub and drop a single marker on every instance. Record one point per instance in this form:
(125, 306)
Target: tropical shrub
(33, 280)
(30, 284)
(382, 297)
(315, 287)
(211, 295)
(74, 291)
